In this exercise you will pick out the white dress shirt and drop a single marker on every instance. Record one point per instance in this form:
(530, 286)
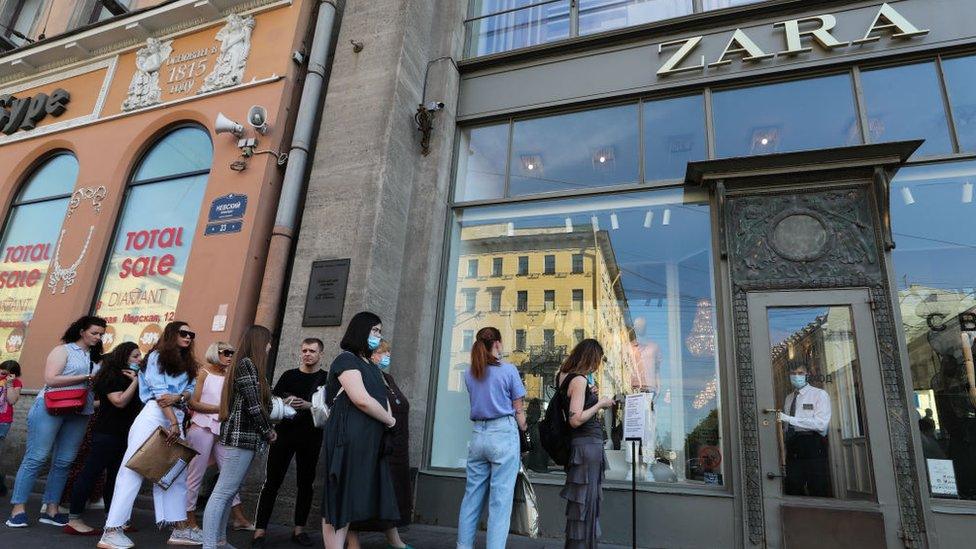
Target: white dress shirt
(812, 410)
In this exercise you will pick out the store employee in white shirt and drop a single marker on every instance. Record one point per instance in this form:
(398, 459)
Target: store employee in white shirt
(806, 418)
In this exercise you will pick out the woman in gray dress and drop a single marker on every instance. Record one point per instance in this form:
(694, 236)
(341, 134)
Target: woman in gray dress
(584, 472)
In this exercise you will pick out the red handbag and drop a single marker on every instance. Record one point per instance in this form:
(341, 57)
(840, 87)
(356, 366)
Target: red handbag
(61, 402)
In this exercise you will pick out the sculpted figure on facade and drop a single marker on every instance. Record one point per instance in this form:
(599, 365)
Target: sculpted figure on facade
(144, 89)
(235, 46)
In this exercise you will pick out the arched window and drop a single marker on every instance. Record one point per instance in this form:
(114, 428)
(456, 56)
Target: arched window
(142, 280)
(30, 235)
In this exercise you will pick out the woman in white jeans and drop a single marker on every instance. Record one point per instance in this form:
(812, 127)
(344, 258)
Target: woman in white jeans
(497, 394)
(166, 382)
(245, 428)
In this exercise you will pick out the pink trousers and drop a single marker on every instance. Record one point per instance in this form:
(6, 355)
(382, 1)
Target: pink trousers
(203, 441)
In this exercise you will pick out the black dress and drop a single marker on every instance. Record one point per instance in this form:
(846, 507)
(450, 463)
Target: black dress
(399, 460)
(584, 480)
(358, 484)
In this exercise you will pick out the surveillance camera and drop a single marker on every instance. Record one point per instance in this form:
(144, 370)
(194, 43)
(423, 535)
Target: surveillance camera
(226, 125)
(257, 116)
(434, 106)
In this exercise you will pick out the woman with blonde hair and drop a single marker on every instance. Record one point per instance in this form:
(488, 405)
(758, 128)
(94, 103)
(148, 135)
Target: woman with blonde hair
(204, 430)
(245, 427)
(584, 472)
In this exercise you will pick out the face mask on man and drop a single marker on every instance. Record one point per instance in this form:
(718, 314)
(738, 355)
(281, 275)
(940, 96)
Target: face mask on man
(384, 362)
(799, 381)
(373, 342)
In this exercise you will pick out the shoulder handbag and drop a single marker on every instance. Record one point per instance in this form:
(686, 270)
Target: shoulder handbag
(321, 409)
(61, 402)
(525, 508)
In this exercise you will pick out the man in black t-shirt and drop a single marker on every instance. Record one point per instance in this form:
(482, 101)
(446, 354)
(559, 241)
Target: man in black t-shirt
(297, 437)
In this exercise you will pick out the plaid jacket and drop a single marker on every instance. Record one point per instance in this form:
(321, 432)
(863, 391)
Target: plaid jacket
(248, 425)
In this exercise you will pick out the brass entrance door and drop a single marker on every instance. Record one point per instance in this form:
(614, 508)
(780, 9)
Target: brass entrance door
(827, 473)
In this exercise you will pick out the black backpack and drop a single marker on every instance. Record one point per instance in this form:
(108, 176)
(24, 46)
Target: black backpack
(554, 429)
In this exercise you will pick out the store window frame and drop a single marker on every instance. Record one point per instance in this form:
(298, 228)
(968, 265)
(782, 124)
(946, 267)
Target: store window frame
(9, 17)
(132, 182)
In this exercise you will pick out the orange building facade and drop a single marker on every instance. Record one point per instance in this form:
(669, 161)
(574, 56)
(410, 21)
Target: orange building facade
(118, 197)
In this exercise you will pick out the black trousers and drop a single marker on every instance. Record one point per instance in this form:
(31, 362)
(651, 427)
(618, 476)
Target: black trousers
(106, 455)
(305, 449)
(807, 472)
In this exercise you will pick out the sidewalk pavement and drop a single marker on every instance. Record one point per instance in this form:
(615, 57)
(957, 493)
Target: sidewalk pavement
(41, 536)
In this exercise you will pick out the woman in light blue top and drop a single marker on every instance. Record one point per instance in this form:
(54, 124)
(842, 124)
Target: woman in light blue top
(69, 366)
(497, 394)
(167, 377)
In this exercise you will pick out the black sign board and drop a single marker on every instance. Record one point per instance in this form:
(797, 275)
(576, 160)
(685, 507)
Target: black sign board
(326, 293)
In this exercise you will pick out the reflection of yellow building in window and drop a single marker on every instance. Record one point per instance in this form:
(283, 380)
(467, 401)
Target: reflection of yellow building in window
(545, 289)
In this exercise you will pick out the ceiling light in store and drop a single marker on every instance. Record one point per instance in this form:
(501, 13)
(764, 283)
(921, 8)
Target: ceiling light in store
(648, 219)
(701, 341)
(614, 222)
(666, 218)
(511, 229)
(967, 192)
(596, 222)
(531, 162)
(603, 158)
(764, 140)
(906, 196)
(569, 224)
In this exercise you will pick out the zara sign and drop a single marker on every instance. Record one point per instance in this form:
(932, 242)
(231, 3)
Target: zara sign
(796, 33)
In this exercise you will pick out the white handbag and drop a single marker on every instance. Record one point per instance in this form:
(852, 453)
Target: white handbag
(321, 410)
(280, 411)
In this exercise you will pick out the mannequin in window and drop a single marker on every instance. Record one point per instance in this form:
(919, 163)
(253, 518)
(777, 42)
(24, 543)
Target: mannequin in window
(953, 386)
(645, 378)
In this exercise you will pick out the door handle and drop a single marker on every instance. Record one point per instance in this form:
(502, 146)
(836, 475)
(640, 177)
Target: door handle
(771, 410)
(771, 476)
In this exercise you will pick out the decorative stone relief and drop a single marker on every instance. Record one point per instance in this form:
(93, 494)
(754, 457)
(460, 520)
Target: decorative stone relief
(144, 90)
(95, 194)
(66, 275)
(235, 46)
(812, 240)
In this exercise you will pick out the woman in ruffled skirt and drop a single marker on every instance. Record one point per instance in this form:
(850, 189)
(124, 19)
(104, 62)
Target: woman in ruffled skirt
(587, 462)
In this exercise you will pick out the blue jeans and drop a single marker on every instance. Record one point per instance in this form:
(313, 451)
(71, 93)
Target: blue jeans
(493, 464)
(57, 437)
(232, 473)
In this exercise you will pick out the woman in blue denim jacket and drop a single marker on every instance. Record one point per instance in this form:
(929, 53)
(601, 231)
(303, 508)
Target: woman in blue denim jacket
(68, 366)
(497, 394)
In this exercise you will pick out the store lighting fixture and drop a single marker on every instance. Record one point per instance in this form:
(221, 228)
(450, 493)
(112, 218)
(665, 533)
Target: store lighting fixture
(531, 162)
(614, 222)
(569, 224)
(967, 192)
(907, 197)
(666, 218)
(603, 158)
(701, 341)
(511, 229)
(648, 219)
(706, 395)
(596, 222)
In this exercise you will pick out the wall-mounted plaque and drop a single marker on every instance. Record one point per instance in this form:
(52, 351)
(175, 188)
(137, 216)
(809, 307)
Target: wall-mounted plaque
(229, 206)
(326, 293)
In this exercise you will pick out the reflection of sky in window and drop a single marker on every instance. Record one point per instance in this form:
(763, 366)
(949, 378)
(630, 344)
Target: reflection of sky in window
(674, 134)
(935, 236)
(181, 151)
(786, 321)
(481, 162)
(790, 116)
(960, 74)
(602, 15)
(565, 151)
(55, 177)
(38, 223)
(906, 103)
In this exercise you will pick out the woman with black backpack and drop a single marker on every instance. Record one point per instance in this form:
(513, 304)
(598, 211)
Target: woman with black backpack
(584, 469)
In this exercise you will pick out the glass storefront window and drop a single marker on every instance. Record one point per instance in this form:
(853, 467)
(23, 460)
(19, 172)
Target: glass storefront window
(934, 225)
(789, 116)
(28, 244)
(708, 5)
(674, 134)
(906, 103)
(141, 284)
(644, 289)
(603, 15)
(592, 148)
(513, 28)
(482, 154)
(960, 75)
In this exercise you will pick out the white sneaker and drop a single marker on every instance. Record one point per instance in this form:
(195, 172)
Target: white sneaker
(115, 539)
(186, 536)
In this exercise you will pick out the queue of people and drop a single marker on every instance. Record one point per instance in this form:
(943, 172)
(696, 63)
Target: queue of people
(222, 409)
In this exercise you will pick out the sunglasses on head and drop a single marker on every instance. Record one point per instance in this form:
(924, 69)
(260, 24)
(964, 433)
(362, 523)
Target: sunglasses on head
(227, 353)
(187, 334)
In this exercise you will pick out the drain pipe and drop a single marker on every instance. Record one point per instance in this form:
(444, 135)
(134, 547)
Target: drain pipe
(293, 183)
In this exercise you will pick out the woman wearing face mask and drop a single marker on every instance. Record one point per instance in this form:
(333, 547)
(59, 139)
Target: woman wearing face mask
(69, 366)
(398, 459)
(115, 386)
(167, 377)
(358, 486)
(204, 430)
(245, 428)
(497, 394)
